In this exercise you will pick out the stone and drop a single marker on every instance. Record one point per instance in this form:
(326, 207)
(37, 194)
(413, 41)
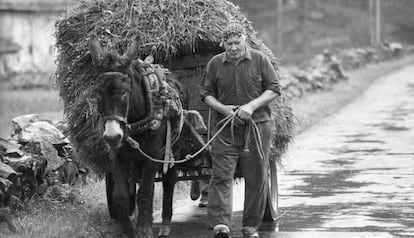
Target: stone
(6, 170)
(9, 148)
(50, 154)
(21, 121)
(37, 131)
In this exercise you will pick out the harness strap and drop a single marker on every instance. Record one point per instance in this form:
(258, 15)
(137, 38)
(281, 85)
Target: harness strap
(167, 155)
(146, 123)
(115, 118)
(134, 144)
(155, 87)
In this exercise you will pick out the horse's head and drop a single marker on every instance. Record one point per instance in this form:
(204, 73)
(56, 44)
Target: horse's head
(113, 101)
(113, 88)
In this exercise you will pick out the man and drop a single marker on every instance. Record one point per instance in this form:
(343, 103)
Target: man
(239, 82)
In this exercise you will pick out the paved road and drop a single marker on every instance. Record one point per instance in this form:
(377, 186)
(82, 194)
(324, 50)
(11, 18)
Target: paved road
(351, 175)
(355, 170)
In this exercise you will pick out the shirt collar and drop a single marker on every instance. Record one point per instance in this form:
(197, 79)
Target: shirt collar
(247, 55)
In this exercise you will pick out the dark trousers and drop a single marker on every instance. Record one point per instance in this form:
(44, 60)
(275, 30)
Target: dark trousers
(255, 172)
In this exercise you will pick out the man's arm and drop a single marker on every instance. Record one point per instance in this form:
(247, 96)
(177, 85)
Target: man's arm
(226, 110)
(217, 106)
(270, 86)
(265, 98)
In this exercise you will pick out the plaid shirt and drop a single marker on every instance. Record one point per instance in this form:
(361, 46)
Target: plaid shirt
(239, 84)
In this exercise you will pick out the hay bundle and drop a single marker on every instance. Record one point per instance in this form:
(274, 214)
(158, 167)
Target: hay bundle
(168, 29)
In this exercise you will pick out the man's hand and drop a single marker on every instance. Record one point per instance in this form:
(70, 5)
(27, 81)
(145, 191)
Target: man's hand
(230, 111)
(245, 111)
(226, 110)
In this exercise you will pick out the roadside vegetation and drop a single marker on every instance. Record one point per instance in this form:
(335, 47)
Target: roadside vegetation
(79, 211)
(63, 211)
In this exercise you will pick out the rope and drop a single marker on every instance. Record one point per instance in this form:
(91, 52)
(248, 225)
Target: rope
(134, 144)
(208, 124)
(225, 121)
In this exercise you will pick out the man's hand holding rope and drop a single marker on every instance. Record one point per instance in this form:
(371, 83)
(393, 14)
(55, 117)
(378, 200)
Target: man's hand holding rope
(245, 112)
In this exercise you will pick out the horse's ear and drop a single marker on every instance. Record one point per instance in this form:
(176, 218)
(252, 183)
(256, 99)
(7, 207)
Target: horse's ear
(149, 59)
(96, 50)
(132, 51)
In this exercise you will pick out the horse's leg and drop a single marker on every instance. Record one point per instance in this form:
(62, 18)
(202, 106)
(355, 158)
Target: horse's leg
(168, 183)
(144, 201)
(120, 195)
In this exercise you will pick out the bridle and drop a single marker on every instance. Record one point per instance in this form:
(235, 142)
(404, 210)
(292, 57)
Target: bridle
(121, 119)
(152, 120)
(145, 124)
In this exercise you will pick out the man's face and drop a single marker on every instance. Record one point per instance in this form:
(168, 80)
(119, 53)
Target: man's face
(235, 46)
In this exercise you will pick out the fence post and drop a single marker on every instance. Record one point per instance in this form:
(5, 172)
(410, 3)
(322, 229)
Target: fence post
(378, 22)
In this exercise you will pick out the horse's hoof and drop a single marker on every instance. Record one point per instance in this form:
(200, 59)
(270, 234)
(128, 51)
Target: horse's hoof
(164, 231)
(163, 235)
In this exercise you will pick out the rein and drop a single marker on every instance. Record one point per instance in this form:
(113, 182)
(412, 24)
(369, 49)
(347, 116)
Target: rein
(152, 121)
(229, 119)
(225, 121)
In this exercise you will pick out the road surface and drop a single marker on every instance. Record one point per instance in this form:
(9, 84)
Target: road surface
(351, 175)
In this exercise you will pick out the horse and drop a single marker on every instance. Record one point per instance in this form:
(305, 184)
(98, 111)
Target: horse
(138, 135)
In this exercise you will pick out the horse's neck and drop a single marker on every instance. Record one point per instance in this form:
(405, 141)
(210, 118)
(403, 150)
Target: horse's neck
(137, 103)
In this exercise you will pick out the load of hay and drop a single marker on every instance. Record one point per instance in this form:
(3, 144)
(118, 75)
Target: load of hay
(168, 29)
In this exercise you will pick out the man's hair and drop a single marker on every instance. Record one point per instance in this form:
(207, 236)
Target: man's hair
(234, 28)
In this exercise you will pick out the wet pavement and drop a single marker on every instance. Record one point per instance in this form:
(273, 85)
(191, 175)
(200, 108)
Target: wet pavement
(351, 175)
(355, 170)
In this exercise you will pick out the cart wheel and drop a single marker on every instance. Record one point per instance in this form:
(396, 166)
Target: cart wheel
(272, 194)
(109, 182)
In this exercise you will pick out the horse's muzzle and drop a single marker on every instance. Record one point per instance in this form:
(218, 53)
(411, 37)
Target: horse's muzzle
(113, 133)
(113, 141)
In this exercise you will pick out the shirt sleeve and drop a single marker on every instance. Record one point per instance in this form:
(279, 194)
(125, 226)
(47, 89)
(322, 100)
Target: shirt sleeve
(270, 76)
(208, 82)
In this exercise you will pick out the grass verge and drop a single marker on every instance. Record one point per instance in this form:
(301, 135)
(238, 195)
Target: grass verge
(85, 216)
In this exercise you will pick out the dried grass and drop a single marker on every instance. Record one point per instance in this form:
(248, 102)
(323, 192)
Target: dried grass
(167, 29)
